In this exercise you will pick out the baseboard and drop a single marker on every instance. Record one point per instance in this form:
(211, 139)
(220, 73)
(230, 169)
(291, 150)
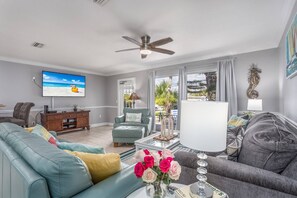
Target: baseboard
(101, 124)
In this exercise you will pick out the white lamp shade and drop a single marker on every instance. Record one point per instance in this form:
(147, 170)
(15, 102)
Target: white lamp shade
(204, 125)
(254, 105)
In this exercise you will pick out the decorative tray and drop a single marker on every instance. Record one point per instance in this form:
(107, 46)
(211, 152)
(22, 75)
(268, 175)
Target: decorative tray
(160, 138)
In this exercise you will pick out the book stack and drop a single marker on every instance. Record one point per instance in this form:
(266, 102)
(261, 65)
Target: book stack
(184, 192)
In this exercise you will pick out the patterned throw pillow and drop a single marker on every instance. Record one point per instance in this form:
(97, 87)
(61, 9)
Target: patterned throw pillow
(42, 132)
(234, 141)
(133, 117)
(236, 121)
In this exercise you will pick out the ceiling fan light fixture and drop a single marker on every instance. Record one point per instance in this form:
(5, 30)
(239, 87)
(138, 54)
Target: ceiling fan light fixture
(145, 51)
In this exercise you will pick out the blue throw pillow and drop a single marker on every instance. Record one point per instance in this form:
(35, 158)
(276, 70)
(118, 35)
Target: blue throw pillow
(80, 147)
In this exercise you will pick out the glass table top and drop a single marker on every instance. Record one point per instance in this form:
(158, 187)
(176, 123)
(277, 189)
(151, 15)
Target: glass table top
(159, 143)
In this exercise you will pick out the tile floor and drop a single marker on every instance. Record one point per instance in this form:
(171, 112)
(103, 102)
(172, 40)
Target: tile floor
(97, 136)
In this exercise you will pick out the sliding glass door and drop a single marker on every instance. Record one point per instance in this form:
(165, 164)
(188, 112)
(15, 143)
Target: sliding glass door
(196, 84)
(166, 99)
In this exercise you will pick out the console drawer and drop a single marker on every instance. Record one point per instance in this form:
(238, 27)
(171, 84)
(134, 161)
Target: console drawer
(69, 115)
(54, 117)
(83, 114)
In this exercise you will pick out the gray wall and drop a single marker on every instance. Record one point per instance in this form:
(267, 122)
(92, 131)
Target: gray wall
(267, 61)
(101, 94)
(287, 87)
(16, 85)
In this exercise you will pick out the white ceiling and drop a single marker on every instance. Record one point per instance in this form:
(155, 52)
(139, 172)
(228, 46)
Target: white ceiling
(83, 36)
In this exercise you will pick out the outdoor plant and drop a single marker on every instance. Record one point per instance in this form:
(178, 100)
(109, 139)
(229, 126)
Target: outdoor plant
(165, 97)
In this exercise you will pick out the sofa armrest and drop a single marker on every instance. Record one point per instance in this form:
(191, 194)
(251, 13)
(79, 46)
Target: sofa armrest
(119, 119)
(119, 185)
(241, 172)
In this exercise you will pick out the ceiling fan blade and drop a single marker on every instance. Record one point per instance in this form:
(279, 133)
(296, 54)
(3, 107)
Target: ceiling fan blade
(124, 50)
(161, 42)
(132, 40)
(164, 51)
(143, 56)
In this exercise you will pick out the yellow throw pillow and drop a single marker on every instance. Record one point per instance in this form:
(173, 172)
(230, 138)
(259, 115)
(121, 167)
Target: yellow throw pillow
(101, 166)
(30, 129)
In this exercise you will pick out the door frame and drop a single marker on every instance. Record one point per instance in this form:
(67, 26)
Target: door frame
(133, 79)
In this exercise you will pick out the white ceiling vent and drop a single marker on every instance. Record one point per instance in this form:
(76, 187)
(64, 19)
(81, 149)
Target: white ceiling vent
(101, 2)
(38, 45)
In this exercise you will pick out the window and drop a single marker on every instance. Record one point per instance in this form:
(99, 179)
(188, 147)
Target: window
(202, 86)
(125, 88)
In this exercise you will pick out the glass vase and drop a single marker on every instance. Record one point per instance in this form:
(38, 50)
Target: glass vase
(156, 190)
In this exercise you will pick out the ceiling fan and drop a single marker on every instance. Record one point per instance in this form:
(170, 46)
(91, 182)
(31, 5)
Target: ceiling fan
(146, 47)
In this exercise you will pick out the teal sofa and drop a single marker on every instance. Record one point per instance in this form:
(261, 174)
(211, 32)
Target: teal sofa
(30, 167)
(146, 120)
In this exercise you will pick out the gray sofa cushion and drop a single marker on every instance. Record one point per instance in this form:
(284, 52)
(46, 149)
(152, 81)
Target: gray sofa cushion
(268, 144)
(291, 170)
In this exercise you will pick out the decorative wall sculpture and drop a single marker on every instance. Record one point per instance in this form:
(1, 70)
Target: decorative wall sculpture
(253, 79)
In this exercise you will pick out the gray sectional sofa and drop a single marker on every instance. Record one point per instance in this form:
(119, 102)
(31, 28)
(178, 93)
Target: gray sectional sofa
(266, 166)
(30, 167)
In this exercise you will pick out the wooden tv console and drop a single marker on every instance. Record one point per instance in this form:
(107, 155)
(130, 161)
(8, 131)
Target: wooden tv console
(65, 121)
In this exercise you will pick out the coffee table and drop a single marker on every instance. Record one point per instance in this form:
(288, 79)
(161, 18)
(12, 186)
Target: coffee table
(150, 143)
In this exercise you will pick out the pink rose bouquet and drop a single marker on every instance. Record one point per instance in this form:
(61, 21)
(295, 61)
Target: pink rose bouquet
(156, 166)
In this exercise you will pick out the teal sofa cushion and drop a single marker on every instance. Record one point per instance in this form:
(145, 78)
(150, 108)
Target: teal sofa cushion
(65, 174)
(80, 147)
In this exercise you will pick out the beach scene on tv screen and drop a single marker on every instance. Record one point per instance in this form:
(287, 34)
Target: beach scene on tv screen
(58, 84)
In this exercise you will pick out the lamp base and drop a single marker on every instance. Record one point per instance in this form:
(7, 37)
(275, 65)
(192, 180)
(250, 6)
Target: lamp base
(194, 191)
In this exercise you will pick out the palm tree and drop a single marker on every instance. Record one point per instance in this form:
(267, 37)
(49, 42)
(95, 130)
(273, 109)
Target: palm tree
(164, 96)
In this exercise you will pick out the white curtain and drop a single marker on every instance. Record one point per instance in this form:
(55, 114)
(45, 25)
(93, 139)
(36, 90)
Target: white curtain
(226, 85)
(182, 95)
(151, 96)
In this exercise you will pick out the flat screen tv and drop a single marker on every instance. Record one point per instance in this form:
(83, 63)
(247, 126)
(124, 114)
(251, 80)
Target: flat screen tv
(59, 84)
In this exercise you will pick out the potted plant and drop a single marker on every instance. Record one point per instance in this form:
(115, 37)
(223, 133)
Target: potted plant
(75, 107)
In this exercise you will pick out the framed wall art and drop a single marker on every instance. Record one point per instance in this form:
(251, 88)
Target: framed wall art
(291, 49)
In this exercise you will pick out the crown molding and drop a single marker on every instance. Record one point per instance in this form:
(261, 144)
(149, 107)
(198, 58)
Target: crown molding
(40, 64)
(180, 60)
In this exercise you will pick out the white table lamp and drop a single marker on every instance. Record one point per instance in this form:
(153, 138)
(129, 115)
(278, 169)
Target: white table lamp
(254, 105)
(203, 128)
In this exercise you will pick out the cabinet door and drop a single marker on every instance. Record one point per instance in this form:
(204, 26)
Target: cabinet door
(82, 122)
(54, 125)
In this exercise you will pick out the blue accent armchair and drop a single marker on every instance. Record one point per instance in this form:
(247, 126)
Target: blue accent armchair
(146, 120)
